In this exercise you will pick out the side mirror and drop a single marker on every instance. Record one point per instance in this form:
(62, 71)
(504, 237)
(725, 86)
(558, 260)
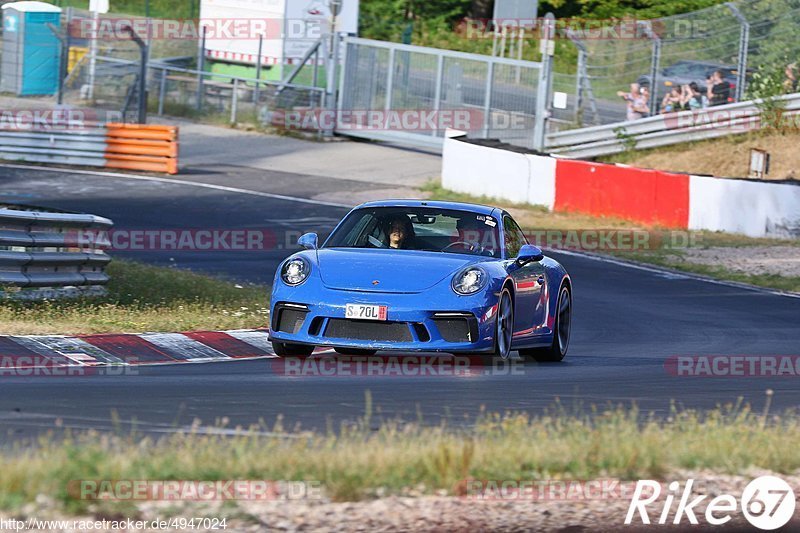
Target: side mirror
(529, 254)
(308, 241)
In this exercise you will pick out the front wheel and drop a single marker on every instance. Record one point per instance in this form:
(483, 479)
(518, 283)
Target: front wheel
(504, 331)
(561, 334)
(285, 349)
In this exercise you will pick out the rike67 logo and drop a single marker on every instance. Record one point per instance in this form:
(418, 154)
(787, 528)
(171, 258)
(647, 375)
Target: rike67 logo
(768, 503)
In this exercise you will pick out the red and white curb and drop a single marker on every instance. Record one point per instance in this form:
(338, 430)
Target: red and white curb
(134, 349)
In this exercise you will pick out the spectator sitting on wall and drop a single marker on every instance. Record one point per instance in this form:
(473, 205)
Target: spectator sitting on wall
(629, 98)
(691, 98)
(719, 90)
(790, 84)
(671, 101)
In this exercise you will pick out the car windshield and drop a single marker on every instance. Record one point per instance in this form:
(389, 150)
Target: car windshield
(419, 228)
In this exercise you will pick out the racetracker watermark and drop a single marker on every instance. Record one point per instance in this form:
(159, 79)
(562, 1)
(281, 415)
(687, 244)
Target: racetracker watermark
(225, 29)
(194, 491)
(407, 120)
(733, 366)
(180, 240)
(548, 490)
(734, 120)
(55, 120)
(614, 29)
(63, 364)
(589, 240)
(394, 366)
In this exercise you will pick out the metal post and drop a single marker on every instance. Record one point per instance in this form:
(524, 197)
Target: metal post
(654, 65)
(201, 65)
(545, 80)
(437, 98)
(315, 76)
(93, 54)
(162, 91)
(340, 103)
(579, 82)
(143, 53)
(487, 98)
(258, 69)
(585, 83)
(519, 52)
(744, 43)
(67, 44)
(333, 65)
(234, 100)
(63, 59)
(389, 82)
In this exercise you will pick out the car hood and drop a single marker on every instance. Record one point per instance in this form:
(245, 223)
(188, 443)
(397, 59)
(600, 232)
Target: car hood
(397, 271)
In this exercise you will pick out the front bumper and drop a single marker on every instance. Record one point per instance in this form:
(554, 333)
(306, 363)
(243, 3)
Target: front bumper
(416, 322)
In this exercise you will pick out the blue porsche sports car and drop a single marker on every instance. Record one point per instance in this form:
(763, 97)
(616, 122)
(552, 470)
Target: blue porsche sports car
(416, 275)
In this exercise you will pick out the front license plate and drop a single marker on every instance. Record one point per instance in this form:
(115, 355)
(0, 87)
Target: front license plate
(365, 312)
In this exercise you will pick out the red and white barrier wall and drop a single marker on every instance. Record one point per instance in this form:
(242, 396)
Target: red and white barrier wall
(651, 197)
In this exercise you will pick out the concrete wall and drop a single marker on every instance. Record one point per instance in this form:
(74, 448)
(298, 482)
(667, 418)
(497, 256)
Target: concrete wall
(651, 197)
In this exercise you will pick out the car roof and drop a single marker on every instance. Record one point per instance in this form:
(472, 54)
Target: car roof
(702, 63)
(457, 206)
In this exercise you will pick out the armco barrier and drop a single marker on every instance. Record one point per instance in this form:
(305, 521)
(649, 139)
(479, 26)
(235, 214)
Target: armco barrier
(142, 147)
(650, 197)
(667, 129)
(120, 146)
(70, 264)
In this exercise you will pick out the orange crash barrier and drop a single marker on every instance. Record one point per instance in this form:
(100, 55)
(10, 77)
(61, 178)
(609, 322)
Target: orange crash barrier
(142, 147)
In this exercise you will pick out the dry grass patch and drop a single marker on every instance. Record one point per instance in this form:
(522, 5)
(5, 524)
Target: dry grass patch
(726, 156)
(143, 298)
(363, 462)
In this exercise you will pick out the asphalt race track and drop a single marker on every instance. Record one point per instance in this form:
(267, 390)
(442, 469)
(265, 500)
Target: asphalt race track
(627, 322)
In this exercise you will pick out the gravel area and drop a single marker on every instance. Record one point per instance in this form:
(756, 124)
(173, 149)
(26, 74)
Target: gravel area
(756, 260)
(443, 513)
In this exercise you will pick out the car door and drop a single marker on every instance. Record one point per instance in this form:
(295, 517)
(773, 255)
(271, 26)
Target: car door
(529, 282)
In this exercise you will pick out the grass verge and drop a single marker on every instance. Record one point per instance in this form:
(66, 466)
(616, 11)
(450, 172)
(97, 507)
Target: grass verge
(727, 156)
(143, 298)
(533, 218)
(362, 462)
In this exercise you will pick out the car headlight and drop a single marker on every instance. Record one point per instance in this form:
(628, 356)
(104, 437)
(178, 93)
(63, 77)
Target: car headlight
(469, 281)
(295, 271)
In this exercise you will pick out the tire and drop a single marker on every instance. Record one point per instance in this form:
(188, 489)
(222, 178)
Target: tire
(284, 349)
(355, 351)
(504, 330)
(563, 328)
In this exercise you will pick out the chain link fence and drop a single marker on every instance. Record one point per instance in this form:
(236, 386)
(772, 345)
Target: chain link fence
(412, 93)
(738, 38)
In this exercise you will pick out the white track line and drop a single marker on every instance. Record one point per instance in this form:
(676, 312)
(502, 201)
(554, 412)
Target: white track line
(179, 182)
(676, 273)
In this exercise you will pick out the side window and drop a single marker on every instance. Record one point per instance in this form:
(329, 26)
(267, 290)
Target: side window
(515, 238)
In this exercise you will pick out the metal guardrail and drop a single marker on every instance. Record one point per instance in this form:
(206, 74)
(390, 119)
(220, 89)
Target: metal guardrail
(144, 147)
(45, 254)
(85, 146)
(664, 130)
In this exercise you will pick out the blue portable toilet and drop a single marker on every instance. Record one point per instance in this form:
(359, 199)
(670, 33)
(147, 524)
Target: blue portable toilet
(30, 48)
